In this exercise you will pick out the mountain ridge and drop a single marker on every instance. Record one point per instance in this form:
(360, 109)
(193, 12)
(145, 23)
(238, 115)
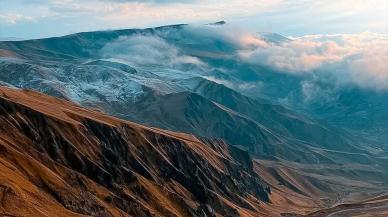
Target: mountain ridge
(29, 115)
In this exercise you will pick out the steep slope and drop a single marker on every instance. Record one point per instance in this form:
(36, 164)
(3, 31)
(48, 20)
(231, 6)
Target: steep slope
(158, 98)
(62, 160)
(193, 113)
(359, 110)
(275, 117)
(377, 206)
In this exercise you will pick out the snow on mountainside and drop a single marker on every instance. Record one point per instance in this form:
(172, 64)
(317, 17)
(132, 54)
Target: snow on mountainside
(132, 73)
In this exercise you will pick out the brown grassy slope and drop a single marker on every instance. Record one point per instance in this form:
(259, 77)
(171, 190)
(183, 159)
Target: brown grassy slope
(58, 159)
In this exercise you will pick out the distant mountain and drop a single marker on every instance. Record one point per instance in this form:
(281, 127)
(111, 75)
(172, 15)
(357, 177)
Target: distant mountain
(179, 97)
(10, 39)
(219, 23)
(273, 37)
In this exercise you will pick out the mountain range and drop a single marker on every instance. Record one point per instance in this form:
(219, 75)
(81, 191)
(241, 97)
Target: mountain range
(229, 114)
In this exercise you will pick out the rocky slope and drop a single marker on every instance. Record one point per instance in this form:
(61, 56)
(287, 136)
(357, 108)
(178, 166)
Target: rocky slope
(59, 159)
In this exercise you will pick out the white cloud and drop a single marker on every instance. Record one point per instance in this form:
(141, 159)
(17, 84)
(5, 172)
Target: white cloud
(359, 58)
(148, 14)
(61, 17)
(124, 12)
(147, 50)
(283, 16)
(241, 86)
(14, 18)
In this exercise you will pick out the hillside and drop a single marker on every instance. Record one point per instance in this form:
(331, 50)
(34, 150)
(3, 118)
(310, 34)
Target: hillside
(59, 159)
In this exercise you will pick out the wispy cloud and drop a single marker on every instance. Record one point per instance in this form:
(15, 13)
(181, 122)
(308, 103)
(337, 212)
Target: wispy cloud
(14, 18)
(283, 16)
(147, 50)
(113, 14)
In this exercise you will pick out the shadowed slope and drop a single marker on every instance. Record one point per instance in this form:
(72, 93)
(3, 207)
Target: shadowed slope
(60, 159)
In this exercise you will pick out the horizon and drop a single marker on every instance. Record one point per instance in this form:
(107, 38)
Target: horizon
(20, 19)
(10, 38)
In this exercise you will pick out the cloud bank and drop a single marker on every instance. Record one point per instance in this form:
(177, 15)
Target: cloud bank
(147, 50)
(355, 59)
(360, 59)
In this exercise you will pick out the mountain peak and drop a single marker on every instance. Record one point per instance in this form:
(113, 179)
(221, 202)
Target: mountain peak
(219, 23)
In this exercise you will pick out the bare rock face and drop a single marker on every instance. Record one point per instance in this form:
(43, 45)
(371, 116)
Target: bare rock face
(58, 159)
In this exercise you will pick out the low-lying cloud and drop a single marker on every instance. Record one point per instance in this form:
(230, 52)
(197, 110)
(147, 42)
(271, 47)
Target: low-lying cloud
(356, 59)
(360, 59)
(147, 50)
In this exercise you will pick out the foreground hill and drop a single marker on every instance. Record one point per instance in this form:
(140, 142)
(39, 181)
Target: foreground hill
(59, 159)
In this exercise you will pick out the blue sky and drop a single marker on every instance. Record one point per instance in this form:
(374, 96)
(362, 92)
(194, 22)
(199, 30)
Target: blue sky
(44, 18)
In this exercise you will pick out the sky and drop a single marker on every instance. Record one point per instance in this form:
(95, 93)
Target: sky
(26, 19)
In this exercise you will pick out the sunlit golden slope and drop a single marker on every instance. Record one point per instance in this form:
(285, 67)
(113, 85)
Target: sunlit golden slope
(58, 159)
